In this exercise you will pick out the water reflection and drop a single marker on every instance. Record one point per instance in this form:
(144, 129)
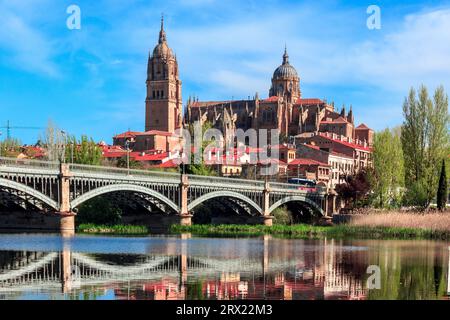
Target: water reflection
(200, 268)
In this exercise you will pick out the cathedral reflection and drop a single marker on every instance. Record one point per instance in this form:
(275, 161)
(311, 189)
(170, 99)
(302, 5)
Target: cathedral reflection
(282, 270)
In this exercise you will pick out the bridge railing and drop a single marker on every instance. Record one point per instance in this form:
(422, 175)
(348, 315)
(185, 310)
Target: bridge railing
(194, 179)
(123, 171)
(294, 187)
(15, 162)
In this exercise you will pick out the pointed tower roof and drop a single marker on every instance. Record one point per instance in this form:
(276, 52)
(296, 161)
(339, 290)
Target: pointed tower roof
(162, 33)
(162, 48)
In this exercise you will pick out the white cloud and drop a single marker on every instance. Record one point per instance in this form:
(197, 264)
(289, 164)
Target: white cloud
(24, 46)
(417, 53)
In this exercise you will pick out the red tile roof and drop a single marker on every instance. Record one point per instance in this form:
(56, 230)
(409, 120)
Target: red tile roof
(152, 157)
(307, 162)
(338, 120)
(345, 143)
(270, 99)
(128, 134)
(114, 154)
(167, 164)
(332, 152)
(363, 126)
(154, 133)
(309, 101)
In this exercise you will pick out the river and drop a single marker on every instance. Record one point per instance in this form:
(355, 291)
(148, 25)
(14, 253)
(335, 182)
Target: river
(48, 266)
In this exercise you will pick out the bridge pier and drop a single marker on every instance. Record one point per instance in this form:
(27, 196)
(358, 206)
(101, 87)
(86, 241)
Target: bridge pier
(185, 216)
(267, 218)
(331, 203)
(67, 217)
(67, 224)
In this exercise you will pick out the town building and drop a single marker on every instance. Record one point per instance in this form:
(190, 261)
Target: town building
(347, 148)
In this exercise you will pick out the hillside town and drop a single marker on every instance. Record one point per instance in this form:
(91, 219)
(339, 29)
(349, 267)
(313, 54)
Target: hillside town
(317, 141)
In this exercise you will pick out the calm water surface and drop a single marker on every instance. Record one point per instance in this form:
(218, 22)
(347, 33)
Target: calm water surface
(184, 267)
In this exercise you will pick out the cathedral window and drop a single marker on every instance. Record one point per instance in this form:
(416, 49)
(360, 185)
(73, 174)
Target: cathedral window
(162, 94)
(154, 94)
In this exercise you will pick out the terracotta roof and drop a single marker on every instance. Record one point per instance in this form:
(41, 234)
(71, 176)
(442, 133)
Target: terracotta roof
(128, 134)
(114, 154)
(346, 143)
(167, 164)
(334, 153)
(363, 126)
(152, 157)
(338, 120)
(270, 99)
(154, 133)
(309, 101)
(307, 162)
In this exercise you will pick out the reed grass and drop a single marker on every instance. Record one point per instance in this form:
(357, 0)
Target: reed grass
(309, 231)
(435, 221)
(91, 228)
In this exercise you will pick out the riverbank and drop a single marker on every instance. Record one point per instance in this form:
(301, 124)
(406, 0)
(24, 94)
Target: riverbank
(439, 221)
(309, 231)
(125, 230)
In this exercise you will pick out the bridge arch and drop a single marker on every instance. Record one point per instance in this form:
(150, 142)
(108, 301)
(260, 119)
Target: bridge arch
(303, 199)
(123, 187)
(224, 194)
(29, 191)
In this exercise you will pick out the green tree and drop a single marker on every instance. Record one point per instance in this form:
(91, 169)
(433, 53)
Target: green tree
(387, 176)
(201, 168)
(83, 151)
(99, 210)
(442, 192)
(425, 138)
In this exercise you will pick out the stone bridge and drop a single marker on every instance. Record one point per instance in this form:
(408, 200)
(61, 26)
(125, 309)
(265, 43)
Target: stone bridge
(60, 189)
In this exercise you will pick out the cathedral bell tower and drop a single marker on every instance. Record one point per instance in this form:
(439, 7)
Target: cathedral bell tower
(163, 105)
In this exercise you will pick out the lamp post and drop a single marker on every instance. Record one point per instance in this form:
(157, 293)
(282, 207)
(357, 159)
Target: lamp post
(127, 145)
(1, 146)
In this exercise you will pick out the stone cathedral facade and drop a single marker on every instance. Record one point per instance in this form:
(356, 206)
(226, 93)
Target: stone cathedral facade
(284, 109)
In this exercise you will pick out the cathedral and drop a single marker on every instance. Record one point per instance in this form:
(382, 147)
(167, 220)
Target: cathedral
(284, 109)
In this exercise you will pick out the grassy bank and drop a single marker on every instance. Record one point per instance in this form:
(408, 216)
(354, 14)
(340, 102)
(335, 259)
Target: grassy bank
(308, 231)
(112, 229)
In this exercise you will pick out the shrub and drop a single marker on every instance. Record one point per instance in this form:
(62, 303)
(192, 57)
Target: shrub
(282, 216)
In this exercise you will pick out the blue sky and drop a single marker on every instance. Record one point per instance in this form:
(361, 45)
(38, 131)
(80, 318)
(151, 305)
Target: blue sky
(93, 80)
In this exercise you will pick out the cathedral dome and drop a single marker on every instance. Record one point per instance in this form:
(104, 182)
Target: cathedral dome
(162, 50)
(285, 70)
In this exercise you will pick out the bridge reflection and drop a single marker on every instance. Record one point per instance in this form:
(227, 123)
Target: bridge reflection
(281, 270)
